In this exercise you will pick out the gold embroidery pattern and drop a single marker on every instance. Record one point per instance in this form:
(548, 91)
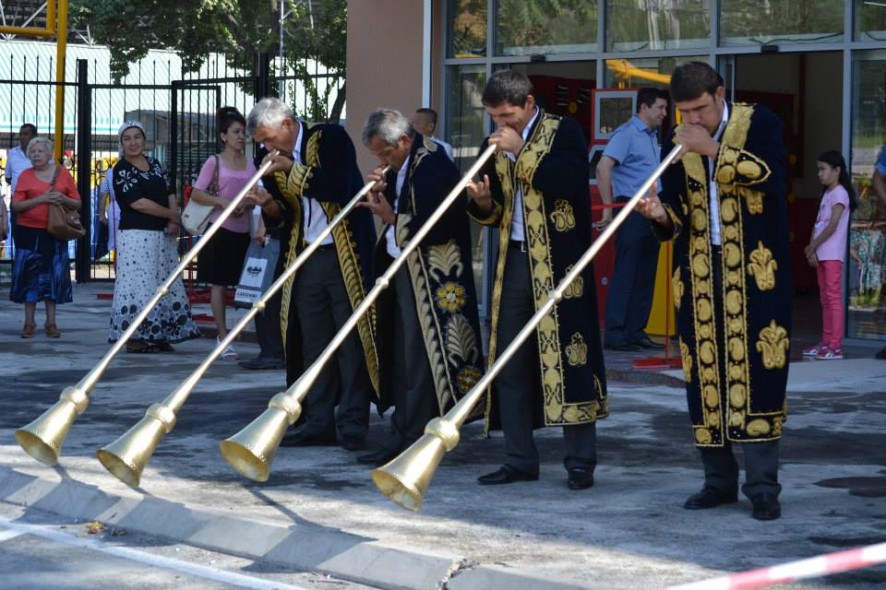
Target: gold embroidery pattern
(542, 276)
(541, 266)
(734, 272)
(467, 378)
(504, 169)
(563, 216)
(709, 432)
(444, 259)
(450, 341)
(576, 288)
(753, 198)
(686, 358)
(349, 264)
(762, 267)
(773, 345)
(577, 351)
(290, 254)
(678, 287)
(451, 297)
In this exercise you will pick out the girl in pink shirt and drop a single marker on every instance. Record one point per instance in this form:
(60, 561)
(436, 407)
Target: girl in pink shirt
(826, 251)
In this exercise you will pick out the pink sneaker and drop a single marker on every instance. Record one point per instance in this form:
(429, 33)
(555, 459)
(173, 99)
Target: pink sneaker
(830, 354)
(813, 350)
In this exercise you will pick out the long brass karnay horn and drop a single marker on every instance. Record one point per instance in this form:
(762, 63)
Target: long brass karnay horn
(43, 438)
(127, 456)
(251, 451)
(405, 479)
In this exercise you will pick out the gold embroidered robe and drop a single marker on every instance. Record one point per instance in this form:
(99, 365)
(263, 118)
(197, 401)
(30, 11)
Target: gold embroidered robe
(552, 172)
(734, 336)
(441, 274)
(329, 174)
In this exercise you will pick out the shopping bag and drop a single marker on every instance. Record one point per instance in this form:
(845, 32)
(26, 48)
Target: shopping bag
(258, 272)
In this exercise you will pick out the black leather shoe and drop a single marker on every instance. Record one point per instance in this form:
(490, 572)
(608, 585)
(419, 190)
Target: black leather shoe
(505, 474)
(766, 507)
(307, 439)
(379, 457)
(710, 498)
(262, 364)
(622, 347)
(647, 343)
(579, 478)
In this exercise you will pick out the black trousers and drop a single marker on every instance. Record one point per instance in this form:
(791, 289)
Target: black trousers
(633, 282)
(760, 458)
(415, 397)
(323, 307)
(518, 385)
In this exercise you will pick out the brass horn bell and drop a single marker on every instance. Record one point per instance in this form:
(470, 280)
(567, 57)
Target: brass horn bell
(251, 451)
(405, 479)
(127, 457)
(43, 438)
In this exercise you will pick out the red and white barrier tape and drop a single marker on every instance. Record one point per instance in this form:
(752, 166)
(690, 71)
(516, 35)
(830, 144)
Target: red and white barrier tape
(822, 565)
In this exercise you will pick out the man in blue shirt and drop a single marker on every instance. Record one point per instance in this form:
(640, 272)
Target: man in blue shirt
(628, 160)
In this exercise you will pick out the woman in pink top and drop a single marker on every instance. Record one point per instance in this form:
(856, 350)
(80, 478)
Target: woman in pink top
(827, 251)
(221, 259)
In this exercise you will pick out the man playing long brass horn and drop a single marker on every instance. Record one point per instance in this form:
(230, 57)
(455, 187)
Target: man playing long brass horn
(535, 190)
(314, 175)
(725, 207)
(429, 333)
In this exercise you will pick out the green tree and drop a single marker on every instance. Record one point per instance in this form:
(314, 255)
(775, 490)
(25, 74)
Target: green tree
(240, 29)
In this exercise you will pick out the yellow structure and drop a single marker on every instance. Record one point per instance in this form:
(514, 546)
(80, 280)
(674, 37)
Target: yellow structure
(57, 25)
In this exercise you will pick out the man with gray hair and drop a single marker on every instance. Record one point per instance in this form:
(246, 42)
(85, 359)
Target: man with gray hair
(428, 329)
(314, 174)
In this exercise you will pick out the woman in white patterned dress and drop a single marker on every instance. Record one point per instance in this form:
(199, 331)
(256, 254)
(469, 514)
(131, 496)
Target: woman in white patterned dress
(149, 226)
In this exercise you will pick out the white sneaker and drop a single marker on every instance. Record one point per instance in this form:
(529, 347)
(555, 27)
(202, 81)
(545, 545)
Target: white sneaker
(229, 354)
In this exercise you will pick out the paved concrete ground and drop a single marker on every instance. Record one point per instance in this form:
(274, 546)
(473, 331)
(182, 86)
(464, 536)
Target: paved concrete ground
(321, 512)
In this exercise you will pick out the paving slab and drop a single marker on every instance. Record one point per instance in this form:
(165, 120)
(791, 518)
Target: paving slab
(319, 511)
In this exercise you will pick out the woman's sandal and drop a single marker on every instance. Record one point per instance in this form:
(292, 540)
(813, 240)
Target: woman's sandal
(28, 330)
(163, 347)
(52, 330)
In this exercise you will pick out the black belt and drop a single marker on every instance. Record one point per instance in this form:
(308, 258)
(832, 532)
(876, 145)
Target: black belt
(325, 247)
(621, 199)
(518, 244)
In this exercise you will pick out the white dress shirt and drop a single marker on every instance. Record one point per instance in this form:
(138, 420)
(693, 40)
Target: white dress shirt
(712, 187)
(314, 216)
(390, 238)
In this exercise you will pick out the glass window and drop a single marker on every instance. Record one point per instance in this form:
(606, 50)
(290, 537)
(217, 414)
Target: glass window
(467, 28)
(529, 27)
(637, 73)
(465, 116)
(866, 264)
(636, 25)
(870, 20)
(780, 22)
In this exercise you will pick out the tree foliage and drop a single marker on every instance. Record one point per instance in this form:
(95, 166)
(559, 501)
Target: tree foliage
(240, 29)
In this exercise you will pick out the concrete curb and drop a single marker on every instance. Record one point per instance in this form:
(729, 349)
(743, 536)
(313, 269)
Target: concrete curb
(300, 546)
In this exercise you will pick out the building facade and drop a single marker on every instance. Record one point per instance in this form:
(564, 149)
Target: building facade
(820, 64)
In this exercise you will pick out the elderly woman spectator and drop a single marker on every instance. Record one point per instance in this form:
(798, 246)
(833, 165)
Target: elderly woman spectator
(41, 269)
(146, 242)
(221, 259)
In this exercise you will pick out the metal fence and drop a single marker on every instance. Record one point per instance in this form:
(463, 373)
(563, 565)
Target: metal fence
(179, 117)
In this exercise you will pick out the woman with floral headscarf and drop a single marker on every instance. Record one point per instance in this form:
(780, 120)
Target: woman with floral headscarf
(149, 226)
